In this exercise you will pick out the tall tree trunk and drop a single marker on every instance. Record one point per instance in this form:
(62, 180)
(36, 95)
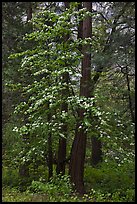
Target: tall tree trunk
(64, 108)
(78, 151)
(24, 168)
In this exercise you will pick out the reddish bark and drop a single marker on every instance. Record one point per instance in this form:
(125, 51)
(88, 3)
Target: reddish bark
(79, 145)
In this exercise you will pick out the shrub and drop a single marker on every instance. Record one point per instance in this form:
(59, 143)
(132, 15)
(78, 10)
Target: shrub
(111, 182)
(57, 189)
(117, 178)
(10, 177)
(92, 175)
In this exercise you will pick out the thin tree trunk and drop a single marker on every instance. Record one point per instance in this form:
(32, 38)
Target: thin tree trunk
(50, 152)
(24, 176)
(96, 143)
(96, 155)
(129, 97)
(62, 141)
(50, 157)
(29, 11)
(78, 151)
(64, 108)
(24, 168)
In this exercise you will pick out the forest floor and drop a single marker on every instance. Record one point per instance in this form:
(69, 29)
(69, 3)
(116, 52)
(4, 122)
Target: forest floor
(13, 195)
(107, 183)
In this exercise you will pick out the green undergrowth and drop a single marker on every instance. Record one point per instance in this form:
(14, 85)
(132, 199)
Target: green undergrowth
(111, 182)
(105, 183)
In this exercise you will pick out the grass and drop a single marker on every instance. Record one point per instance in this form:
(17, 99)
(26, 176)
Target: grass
(14, 195)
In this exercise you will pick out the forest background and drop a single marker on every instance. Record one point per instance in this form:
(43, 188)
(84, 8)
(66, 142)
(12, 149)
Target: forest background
(68, 101)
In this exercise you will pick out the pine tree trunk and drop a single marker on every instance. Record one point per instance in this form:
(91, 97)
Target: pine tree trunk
(78, 151)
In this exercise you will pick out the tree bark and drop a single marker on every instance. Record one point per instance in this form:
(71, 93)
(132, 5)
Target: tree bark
(78, 151)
